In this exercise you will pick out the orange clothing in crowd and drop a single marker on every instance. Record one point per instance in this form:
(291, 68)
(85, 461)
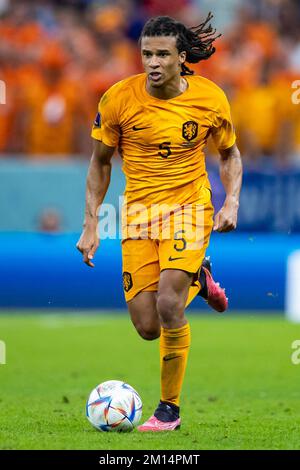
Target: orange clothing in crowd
(91, 53)
(8, 111)
(50, 117)
(255, 113)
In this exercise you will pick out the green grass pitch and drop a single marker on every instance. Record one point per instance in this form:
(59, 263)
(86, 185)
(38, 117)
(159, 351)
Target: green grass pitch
(241, 389)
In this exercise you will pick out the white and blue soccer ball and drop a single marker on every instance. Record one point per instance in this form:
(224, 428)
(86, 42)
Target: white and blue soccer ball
(114, 406)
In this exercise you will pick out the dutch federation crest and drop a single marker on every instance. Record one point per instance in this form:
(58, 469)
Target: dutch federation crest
(97, 122)
(189, 130)
(127, 281)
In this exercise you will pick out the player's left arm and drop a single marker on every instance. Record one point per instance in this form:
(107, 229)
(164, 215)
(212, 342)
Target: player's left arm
(231, 171)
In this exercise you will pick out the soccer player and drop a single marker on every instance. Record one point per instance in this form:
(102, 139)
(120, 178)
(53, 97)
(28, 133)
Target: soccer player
(160, 120)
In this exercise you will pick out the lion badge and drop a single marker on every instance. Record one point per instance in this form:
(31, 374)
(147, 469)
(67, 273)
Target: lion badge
(190, 130)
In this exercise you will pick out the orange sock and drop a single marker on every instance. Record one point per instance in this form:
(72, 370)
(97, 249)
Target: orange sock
(174, 348)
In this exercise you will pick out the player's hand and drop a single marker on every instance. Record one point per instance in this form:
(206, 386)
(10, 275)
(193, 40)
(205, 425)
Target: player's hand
(226, 218)
(88, 244)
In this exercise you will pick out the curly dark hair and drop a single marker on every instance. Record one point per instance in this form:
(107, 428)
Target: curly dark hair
(197, 41)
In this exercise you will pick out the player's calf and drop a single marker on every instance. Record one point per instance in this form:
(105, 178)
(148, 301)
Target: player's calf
(148, 334)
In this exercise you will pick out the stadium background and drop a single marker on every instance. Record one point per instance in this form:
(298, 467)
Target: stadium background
(56, 59)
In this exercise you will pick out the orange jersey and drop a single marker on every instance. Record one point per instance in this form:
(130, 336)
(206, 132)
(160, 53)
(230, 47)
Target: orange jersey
(162, 141)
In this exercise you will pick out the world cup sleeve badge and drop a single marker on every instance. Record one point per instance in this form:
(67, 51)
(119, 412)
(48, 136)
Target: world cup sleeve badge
(97, 121)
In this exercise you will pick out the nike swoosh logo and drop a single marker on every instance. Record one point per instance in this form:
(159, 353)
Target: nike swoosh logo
(167, 358)
(135, 128)
(173, 259)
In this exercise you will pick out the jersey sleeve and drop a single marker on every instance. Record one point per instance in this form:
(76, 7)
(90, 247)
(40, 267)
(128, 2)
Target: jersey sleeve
(106, 126)
(223, 132)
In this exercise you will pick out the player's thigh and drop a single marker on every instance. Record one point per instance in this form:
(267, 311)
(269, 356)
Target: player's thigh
(189, 238)
(140, 267)
(140, 282)
(181, 256)
(143, 313)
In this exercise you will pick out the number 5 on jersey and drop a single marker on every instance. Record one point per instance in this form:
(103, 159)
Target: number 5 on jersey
(166, 147)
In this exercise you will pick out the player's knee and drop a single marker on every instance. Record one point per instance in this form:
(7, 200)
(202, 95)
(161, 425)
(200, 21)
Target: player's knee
(168, 306)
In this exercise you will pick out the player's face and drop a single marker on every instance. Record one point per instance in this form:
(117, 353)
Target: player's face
(161, 59)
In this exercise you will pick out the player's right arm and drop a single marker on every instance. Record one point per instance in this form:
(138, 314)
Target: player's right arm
(98, 180)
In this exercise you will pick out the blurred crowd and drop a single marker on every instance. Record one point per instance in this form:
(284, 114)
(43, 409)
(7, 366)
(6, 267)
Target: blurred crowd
(58, 57)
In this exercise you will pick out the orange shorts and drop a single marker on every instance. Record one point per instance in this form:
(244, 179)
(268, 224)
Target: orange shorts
(182, 247)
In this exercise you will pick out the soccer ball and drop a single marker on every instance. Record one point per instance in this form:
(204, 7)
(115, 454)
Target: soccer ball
(114, 406)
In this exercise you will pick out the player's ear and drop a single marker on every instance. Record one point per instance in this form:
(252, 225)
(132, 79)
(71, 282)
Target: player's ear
(182, 57)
